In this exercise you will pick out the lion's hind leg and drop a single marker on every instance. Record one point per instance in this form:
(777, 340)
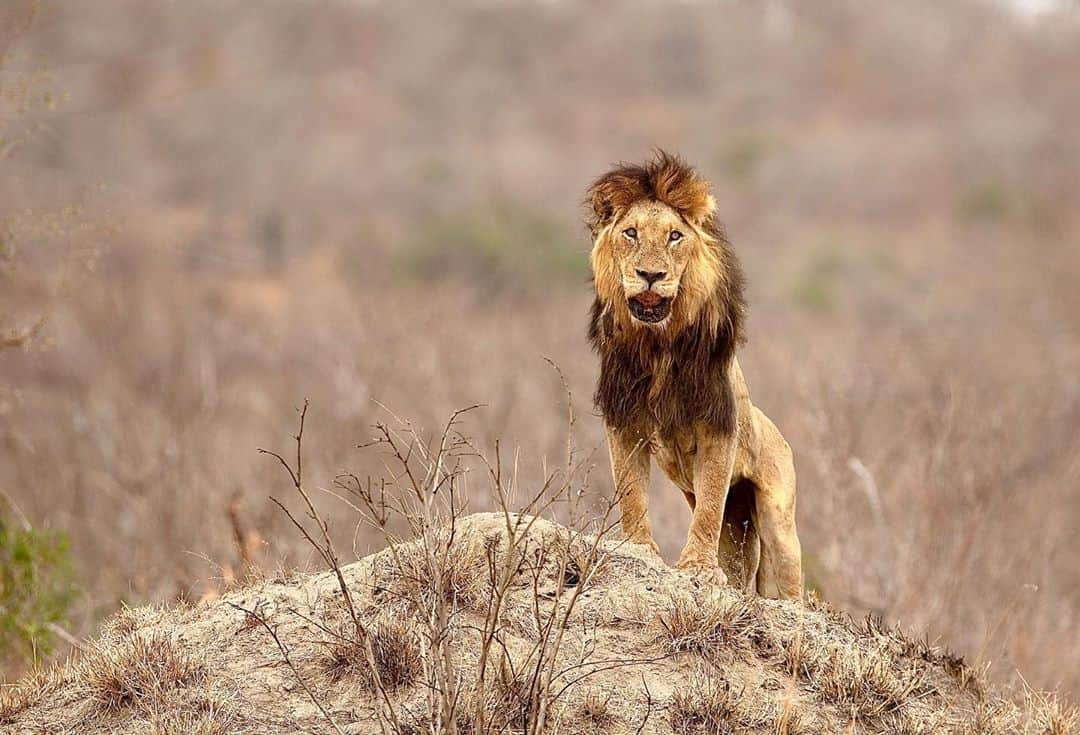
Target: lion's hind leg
(780, 572)
(740, 547)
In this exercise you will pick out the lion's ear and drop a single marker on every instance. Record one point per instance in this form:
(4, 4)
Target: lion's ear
(602, 208)
(614, 192)
(706, 209)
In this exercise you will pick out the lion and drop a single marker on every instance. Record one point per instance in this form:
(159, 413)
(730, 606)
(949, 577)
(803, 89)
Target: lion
(666, 320)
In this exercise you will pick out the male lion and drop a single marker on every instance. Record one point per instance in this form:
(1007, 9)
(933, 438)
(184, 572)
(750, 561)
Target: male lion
(667, 318)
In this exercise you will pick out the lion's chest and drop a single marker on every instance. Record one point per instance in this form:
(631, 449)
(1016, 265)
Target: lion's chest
(675, 456)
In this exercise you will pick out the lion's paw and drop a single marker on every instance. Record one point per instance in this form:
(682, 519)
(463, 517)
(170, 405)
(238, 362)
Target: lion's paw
(705, 571)
(647, 542)
(651, 546)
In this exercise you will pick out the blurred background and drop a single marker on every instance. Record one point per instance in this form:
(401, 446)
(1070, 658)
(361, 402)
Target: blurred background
(212, 210)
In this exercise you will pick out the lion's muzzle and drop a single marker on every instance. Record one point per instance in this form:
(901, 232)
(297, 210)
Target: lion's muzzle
(650, 307)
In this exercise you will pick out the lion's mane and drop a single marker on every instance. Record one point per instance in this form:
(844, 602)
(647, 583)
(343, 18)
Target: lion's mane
(675, 376)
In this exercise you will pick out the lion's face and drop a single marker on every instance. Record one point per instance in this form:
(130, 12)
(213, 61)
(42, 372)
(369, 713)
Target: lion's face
(651, 245)
(660, 261)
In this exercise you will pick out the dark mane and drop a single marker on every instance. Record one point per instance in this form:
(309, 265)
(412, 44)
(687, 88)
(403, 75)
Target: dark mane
(696, 389)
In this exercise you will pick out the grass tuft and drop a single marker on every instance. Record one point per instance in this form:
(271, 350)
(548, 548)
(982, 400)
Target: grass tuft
(871, 681)
(1050, 715)
(595, 710)
(710, 626)
(25, 693)
(136, 671)
(709, 703)
(396, 647)
(406, 574)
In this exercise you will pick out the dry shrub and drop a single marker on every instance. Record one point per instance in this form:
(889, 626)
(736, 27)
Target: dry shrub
(28, 691)
(1049, 715)
(595, 710)
(449, 569)
(408, 574)
(708, 703)
(396, 648)
(202, 715)
(138, 670)
(872, 680)
(710, 625)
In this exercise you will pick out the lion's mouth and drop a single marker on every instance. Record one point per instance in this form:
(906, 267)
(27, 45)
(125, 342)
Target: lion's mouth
(650, 307)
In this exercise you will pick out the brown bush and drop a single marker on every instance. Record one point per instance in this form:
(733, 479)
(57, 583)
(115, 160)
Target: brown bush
(136, 671)
(396, 648)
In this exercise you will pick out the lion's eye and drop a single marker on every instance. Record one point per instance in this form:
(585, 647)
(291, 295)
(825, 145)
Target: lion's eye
(675, 236)
(631, 233)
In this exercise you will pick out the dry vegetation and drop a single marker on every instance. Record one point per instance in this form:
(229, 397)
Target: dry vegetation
(608, 676)
(301, 211)
(505, 623)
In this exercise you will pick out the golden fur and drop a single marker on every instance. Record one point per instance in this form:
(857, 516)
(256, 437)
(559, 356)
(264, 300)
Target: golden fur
(667, 318)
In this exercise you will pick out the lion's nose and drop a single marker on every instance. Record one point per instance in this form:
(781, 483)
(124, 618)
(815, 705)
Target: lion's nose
(651, 277)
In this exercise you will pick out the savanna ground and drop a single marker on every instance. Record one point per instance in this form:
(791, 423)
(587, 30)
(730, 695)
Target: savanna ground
(212, 211)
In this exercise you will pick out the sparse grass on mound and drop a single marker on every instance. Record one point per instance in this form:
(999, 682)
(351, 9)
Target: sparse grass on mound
(709, 703)
(136, 670)
(395, 645)
(705, 662)
(29, 691)
(710, 625)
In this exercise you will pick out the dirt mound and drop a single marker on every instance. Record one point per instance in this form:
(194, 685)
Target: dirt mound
(606, 642)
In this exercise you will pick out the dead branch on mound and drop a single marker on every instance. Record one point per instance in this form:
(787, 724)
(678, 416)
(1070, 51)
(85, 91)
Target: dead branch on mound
(324, 545)
(443, 573)
(254, 614)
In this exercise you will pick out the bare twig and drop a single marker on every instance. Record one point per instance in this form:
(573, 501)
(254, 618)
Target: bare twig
(325, 547)
(255, 614)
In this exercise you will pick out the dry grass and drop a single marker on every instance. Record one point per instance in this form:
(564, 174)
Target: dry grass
(201, 713)
(1050, 715)
(714, 625)
(869, 681)
(580, 561)
(136, 671)
(396, 647)
(875, 675)
(29, 690)
(595, 710)
(709, 703)
(404, 576)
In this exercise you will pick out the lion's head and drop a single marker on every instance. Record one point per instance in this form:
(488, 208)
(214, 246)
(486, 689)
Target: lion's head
(669, 304)
(660, 260)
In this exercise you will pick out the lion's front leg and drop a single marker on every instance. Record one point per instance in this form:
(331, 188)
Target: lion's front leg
(630, 469)
(713, 464)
